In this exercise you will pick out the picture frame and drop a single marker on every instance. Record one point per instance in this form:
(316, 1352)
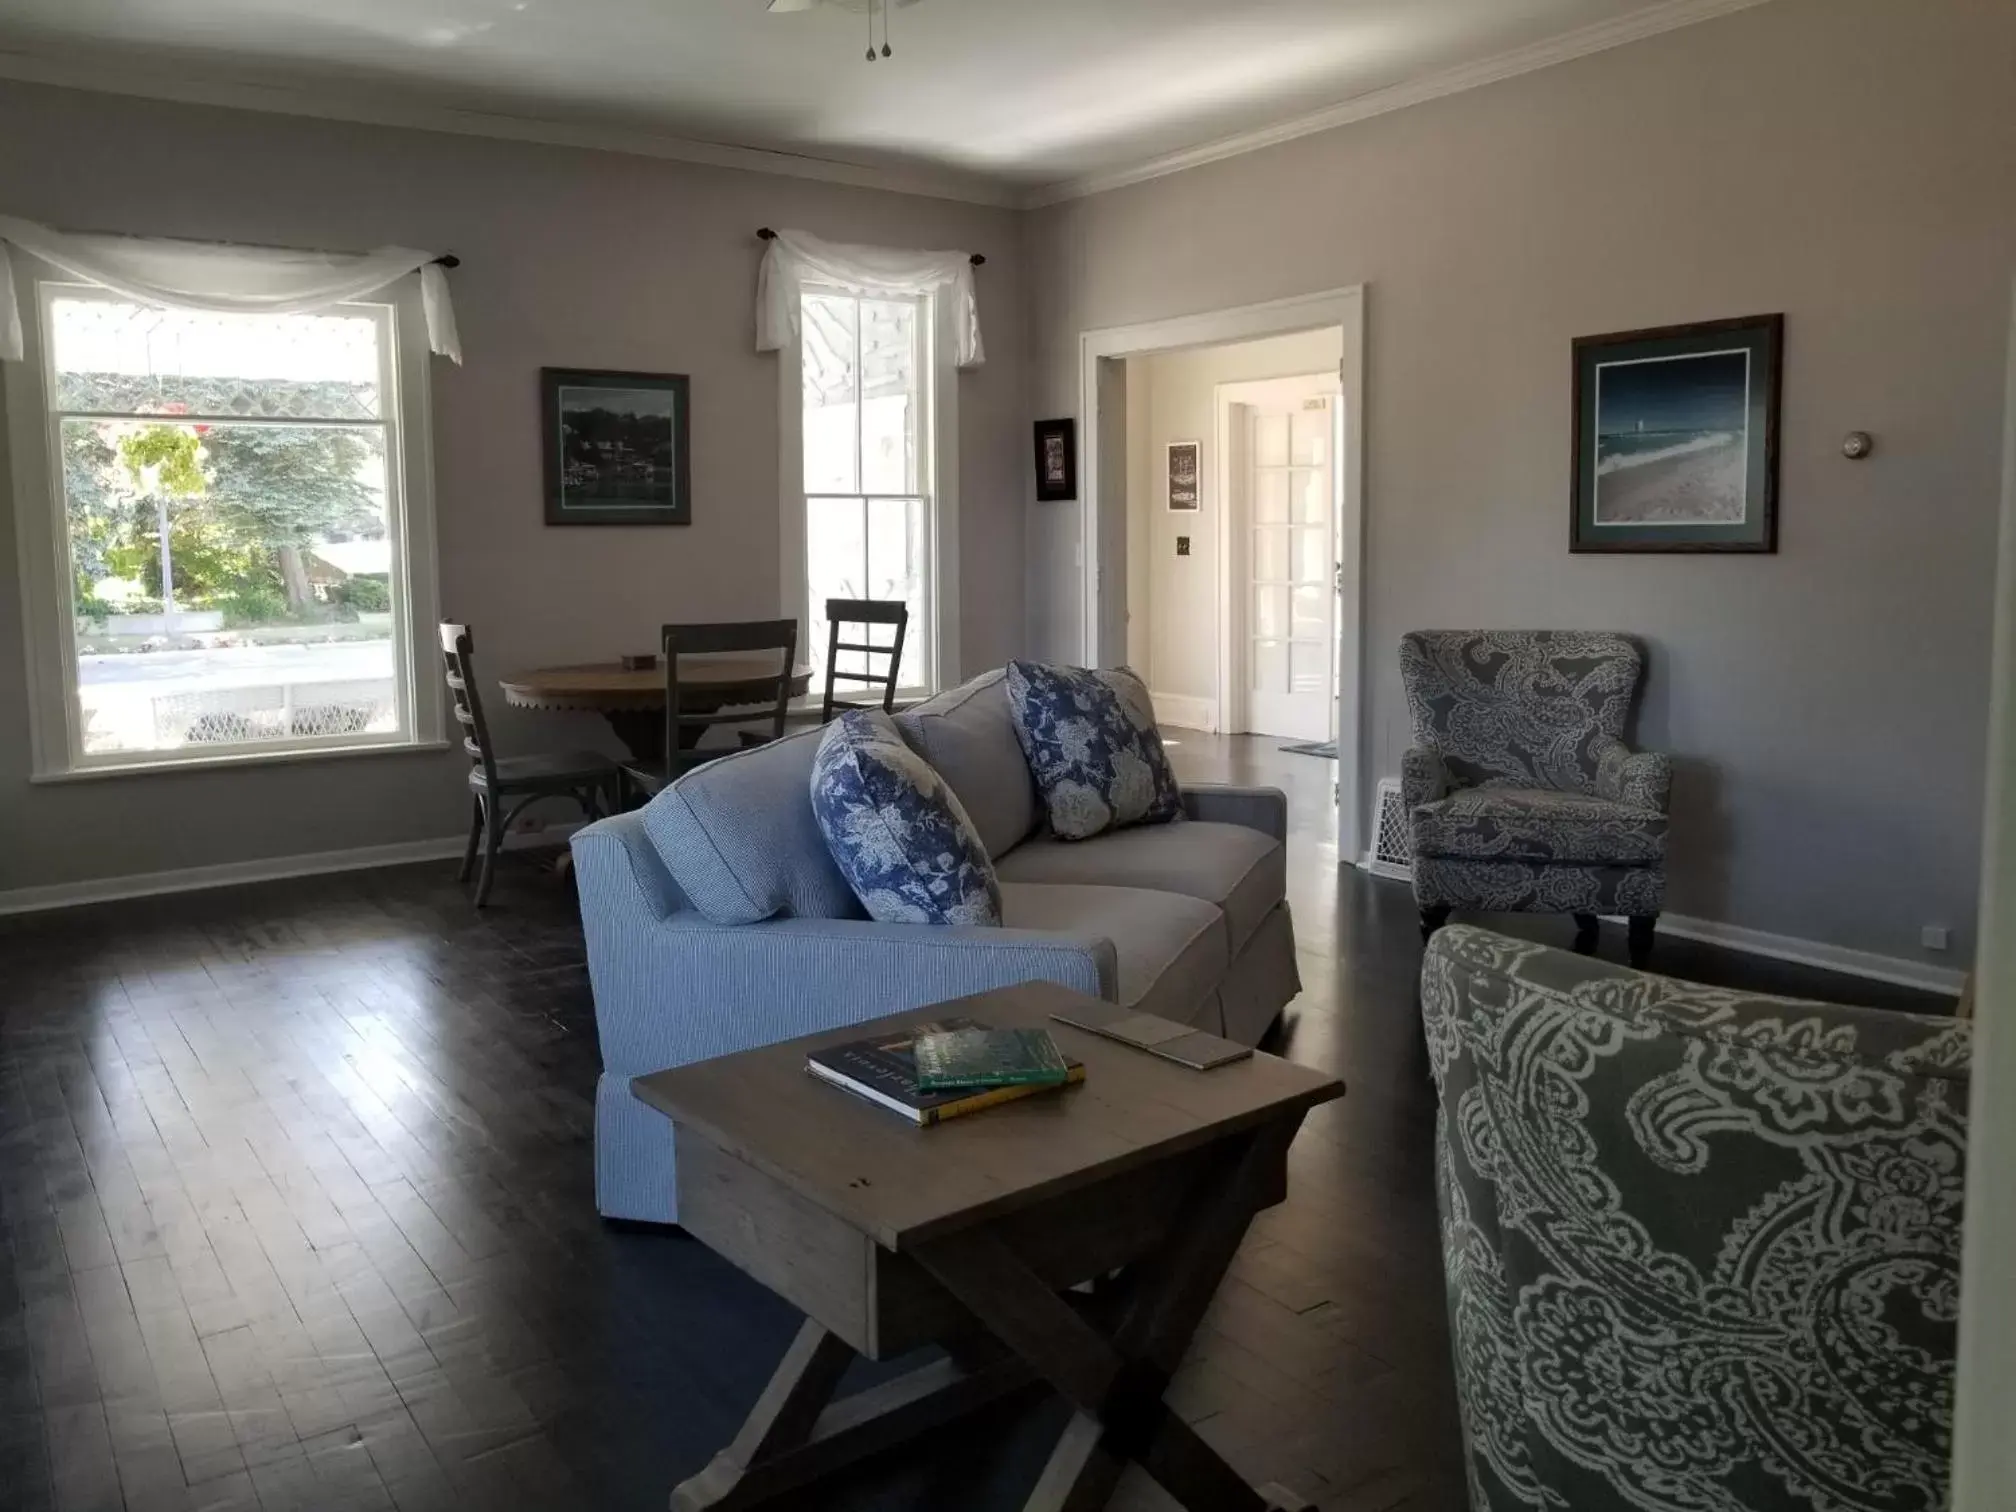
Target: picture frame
(1186, 477)
(618, 447)
(1056, 461)
(1676, 438)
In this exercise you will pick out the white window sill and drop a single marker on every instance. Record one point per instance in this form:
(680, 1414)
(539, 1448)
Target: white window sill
(241, 759)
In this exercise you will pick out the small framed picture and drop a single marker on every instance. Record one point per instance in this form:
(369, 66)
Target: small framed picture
(617, 448)
(1676, 438)
(1056, 460)
(1186, 495)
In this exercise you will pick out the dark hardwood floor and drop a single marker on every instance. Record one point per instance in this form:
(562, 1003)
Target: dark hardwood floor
(296, 1196)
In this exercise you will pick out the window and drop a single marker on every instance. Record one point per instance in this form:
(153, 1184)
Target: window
(874, 522)
(225, 567)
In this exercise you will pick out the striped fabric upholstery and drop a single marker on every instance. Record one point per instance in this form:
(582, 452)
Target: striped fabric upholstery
(739, 835)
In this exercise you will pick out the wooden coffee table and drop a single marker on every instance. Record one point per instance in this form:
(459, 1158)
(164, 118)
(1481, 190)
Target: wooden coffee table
(970, 1235)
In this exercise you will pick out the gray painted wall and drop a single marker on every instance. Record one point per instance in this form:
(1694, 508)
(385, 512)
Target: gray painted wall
(1849, 162)
(571, 259)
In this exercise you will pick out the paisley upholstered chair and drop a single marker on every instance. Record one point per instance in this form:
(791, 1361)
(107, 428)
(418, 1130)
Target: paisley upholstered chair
(1702, 1248)
(1521, 794)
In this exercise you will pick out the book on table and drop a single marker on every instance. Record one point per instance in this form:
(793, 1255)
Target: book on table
(885, 1072)
(963, 1059)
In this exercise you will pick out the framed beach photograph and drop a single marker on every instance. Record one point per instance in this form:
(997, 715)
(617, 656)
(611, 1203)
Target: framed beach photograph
(1676, 438)
(1186, 458)
(617, 448)
(1056, 461)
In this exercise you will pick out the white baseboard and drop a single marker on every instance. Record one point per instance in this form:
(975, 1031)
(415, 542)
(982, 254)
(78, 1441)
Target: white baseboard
(267, 869)
(1896, 970)
(1185, 711)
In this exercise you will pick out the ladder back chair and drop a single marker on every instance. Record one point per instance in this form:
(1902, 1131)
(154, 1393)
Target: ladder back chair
(590, 780)
(843, 615)
(692, 707)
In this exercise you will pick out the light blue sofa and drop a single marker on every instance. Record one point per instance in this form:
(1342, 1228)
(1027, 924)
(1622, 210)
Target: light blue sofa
(716, 921)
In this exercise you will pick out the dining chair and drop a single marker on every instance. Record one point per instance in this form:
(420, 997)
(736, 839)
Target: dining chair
(495, 781)
(692, 709)
(845, 614)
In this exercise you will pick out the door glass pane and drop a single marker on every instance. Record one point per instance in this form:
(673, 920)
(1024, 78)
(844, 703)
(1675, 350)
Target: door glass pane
(1270, 497)
(1309, 664)
(1270, 554)
(234, 583)
(1270, 611)
(1270, 666)
(1270, 440)
(1312, 438)
(111, 356)
(832, 433)
(1312, 613)
(889, 397)
(1312, 556)
(1312, 499)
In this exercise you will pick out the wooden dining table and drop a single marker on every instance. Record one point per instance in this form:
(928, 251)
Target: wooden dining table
(633, 701)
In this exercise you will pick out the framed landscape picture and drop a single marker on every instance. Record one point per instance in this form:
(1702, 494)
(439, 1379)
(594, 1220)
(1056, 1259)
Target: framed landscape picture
(1676, 438)
(1185, 468)
(617, 448)
(1056, 461)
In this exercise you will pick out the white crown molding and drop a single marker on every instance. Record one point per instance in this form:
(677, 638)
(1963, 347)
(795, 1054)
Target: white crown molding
(75, 71)
(268, 869)
(1601, 37)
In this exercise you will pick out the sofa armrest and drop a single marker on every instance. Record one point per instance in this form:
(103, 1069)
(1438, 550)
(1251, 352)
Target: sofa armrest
(1424, 778)
(1643, 779)
(682, 989)
(617, 867)
(1257, 808)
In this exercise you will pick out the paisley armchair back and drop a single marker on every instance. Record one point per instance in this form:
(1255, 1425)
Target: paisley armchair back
(1702, 1248)
(1520, 708)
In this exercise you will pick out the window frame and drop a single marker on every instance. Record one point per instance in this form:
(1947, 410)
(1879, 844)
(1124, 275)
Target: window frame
(48, 602)
(937, 479)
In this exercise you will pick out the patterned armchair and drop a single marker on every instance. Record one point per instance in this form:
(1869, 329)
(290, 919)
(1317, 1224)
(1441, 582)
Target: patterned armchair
(1521, 794)
(1702, 1249)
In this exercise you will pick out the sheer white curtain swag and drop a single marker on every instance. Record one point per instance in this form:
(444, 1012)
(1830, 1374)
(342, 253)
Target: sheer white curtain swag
(795, 259)
(183, 275)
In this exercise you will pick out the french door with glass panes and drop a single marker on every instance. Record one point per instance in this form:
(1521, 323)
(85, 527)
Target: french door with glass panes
(1291, 569)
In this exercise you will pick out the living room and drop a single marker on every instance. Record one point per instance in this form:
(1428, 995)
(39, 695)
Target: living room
(308, 1184)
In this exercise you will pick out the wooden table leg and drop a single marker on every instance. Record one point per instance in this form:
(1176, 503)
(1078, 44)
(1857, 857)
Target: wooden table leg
(797, 1433)
(1118, 1383)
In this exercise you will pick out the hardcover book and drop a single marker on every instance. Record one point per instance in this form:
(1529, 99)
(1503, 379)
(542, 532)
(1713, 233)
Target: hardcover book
(965, 1058)
(885, 1072)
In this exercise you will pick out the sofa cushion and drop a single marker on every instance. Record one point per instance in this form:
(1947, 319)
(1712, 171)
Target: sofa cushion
(739, 838)
(1172, 950)
(1536, 824)
(968, 737)
(1093, 748)
(1242, 871)
(896, 831)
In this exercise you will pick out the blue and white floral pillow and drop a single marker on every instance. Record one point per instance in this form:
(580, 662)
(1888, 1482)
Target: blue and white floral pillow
(895, 829)
(1091, 742)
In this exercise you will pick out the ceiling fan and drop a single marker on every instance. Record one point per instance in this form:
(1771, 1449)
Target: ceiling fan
(869, 8)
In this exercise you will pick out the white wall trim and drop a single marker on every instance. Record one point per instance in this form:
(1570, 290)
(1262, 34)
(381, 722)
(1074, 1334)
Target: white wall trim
(1344, 308)
(1601, 37)
(1186, 711)
(22, 900)
(1900, 971)
(105, 75)
(1984, 1451)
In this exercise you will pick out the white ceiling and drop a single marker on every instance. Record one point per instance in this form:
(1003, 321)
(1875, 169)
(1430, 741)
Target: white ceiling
(1020, 93)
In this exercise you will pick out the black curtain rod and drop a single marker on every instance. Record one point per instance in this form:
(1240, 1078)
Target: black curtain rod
(764, 233)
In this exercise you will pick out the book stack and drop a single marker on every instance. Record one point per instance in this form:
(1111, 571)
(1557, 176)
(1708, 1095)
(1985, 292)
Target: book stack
(946, 1069)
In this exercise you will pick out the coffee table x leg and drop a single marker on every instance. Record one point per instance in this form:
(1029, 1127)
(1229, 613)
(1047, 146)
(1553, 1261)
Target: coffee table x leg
(1117, 1383)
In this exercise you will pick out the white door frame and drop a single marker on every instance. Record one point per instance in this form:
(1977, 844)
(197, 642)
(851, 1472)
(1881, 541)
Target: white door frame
(1307, 312)
(1984, 1452)
(1234, 695)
